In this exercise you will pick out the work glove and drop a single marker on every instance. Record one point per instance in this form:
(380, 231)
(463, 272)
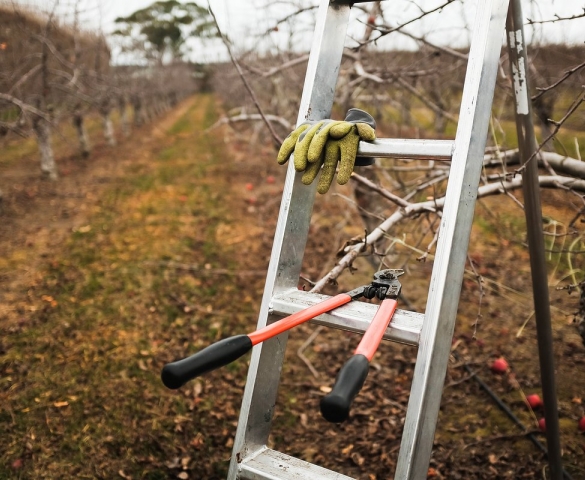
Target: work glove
(326, 143)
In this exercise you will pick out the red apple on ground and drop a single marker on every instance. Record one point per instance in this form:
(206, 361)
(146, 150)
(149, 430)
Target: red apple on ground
(542, 424)
(534, 401)
(270, 179)
(500, 365)
(249, 186)
(582, 424)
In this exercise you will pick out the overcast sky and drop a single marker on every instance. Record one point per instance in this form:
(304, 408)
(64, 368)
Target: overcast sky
(241, 19)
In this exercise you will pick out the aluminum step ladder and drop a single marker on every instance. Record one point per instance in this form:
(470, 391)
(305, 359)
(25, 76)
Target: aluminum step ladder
(432, 331)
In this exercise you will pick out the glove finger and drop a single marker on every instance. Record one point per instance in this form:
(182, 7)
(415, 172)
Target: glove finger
(332, 155)
(340, 130)
(312, 171)
(289, 143)
(318, 142)
(348, 147)
(366, 133)
(302, 147)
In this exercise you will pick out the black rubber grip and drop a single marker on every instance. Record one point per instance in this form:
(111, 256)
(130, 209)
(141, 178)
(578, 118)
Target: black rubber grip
(176, 374)
(335, 405)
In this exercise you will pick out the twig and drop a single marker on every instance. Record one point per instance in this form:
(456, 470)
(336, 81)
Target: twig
(380, 190)
(479, 280)
(580, 98)
(303, 347)
(243, 117)
(387, 30)
(501, 437)
(460, 381)
(280, 68)
(567, 74)
(449, 51)
(24, 78)
(556, 19)
(423, 257)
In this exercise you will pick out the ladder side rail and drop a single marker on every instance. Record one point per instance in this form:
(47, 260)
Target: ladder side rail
(290, 239)
(455, 228)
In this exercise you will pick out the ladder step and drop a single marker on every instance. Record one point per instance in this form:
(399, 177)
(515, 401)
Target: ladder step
(407, 148)
(272, 465)
(355, 316)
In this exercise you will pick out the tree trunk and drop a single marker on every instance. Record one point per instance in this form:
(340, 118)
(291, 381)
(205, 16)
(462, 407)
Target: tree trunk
(405, 109)
(105, 112)
(78, 122)
(138, 111)
(544, 108)
(124, 120)
(42, 130)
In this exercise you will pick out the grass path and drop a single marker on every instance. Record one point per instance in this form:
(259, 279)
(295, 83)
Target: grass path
(80, 393)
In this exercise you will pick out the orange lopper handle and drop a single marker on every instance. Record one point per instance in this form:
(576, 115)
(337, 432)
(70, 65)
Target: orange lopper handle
(335, 406)
(295, 319)
(373, 336)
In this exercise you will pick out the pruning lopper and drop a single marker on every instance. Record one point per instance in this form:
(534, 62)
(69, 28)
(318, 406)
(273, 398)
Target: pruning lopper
(335, 405)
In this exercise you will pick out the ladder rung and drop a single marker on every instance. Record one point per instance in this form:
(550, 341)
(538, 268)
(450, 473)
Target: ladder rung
(407, 148)
(272, 465)
(355, 316)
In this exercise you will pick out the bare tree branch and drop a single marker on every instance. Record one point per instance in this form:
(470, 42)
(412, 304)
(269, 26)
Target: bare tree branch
(25, 107)
(558, 124)
(251, 117)
(567, 74)
(435, 205)
(556, 19)
(275, 136)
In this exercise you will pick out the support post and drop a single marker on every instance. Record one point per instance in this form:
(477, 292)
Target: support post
(532, 209)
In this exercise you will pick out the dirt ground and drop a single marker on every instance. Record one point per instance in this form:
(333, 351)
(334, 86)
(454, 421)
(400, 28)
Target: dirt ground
(150, 251)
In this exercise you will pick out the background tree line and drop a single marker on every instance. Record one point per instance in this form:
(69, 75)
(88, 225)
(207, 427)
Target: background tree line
(52, 73)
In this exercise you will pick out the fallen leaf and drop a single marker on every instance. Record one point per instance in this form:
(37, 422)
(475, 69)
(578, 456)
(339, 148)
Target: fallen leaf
(197, 389)
(183, 476)
(357, 458)
(197, 441)
(174, 463)
(304, 420)
(61, 404)
(347, 450)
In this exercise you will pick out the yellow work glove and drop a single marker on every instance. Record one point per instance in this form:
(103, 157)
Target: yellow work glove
(305, 144)
(327, 143)
(341, 146)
